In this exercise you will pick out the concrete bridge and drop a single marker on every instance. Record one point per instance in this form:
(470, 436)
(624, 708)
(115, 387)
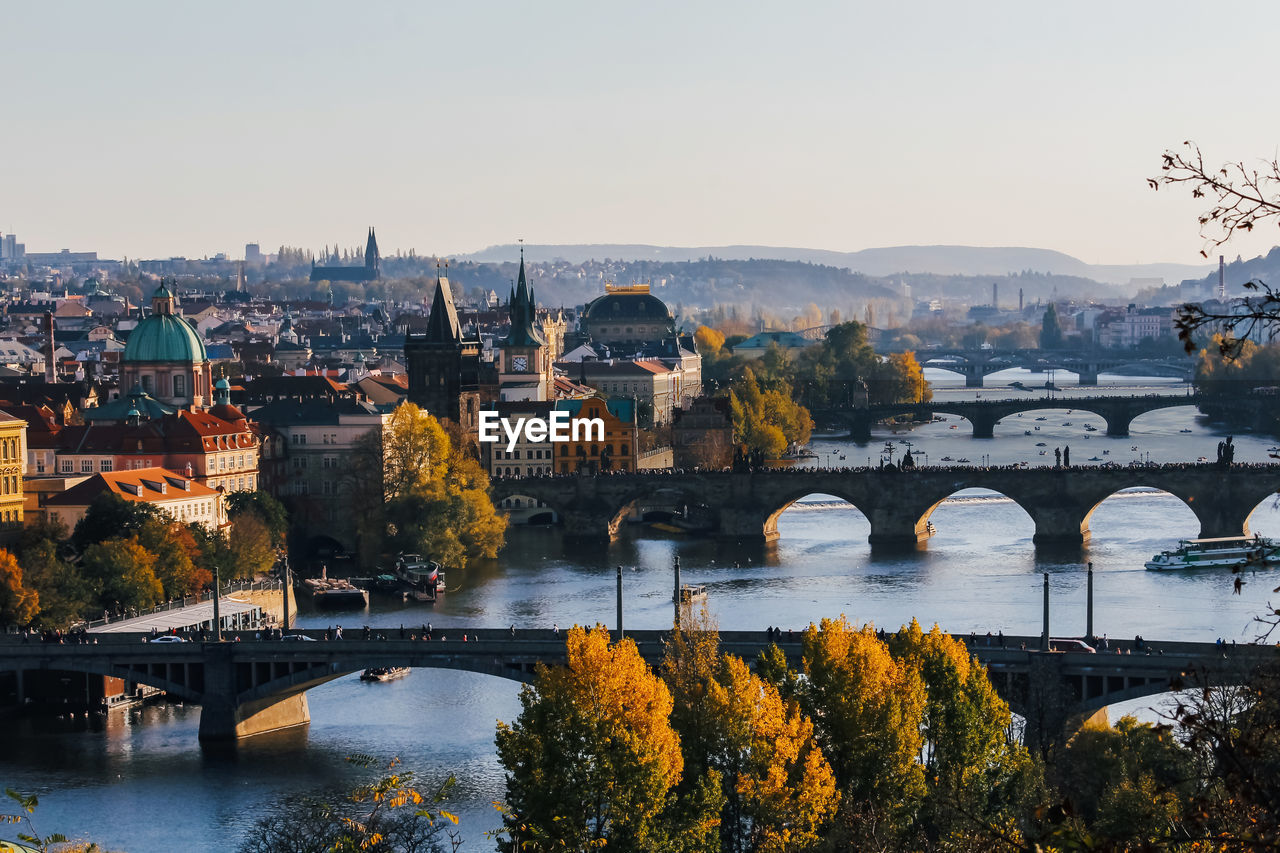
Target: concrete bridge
(745, 505)
(246, 686)
(976, 364)
(984, 415)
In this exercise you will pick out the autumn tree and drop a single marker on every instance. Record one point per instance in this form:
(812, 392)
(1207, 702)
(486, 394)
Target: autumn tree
(765, 422)
(123, 574)
(416, 489)
(18, 603)
(592, 757)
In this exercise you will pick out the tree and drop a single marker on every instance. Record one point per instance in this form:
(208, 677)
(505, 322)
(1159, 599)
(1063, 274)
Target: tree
(1051, 329)
(592, 756)
(709, 341)
(108, 516)
(765, 422)
(1243, 198)
(123, 573)
(418, 490)
(18, 604)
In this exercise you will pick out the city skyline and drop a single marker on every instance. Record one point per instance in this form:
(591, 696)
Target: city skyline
(147, 130)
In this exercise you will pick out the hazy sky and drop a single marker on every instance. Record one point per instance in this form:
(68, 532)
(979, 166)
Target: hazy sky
(155, 129)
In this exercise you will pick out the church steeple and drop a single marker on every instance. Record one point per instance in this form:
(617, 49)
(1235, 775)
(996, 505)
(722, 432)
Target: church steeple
(371, 259)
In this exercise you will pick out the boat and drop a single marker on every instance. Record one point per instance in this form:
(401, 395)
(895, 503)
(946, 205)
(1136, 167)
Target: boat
(336, 593)
(1221, 552)
(690, 593)
(384, 673)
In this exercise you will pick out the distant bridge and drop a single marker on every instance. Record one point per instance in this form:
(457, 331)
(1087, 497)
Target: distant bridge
(745, 505)
(255, 686)
(1117, 411)
(975, 364)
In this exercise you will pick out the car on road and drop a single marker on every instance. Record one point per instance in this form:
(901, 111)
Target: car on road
(169, 638)
(1067, 644)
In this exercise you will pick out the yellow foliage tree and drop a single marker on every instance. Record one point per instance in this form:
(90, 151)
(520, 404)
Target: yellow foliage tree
(18, 604)
(592, 756)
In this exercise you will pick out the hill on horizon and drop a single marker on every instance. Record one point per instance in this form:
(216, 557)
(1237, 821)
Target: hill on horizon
(892, 260)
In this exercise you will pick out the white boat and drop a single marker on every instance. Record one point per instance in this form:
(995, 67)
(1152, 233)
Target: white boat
(1222, 552)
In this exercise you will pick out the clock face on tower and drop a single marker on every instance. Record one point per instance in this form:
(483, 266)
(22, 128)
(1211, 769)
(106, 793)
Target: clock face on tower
(519, 363)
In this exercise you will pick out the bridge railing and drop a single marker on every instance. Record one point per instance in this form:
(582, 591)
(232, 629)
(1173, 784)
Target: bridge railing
(185, 601)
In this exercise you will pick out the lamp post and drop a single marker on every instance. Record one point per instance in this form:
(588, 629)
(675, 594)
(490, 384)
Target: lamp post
(217, 612)
(620, 634)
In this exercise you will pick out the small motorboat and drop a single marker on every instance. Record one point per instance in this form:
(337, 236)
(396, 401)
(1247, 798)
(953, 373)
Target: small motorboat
(384, 673)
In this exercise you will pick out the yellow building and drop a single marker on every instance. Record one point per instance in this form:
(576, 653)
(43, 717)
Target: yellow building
(13, 455)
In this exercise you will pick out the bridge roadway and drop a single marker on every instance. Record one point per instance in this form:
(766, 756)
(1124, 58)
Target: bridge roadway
(984, 415)
(247, 686)
(745, 505)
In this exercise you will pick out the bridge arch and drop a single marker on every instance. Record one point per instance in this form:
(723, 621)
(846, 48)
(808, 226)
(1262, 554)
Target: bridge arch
(790, 500)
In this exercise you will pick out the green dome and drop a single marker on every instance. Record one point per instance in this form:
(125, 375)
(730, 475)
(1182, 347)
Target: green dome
(164, 337)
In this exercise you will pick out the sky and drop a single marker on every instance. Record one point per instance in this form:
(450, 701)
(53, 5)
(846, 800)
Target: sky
(157, 129)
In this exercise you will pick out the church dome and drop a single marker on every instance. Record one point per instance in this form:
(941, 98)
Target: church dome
(164, 336)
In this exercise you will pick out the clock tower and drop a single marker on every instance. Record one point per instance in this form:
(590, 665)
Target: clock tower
(524, 369)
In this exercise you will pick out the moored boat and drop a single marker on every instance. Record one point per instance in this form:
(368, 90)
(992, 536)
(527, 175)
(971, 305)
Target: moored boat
(1221, 552)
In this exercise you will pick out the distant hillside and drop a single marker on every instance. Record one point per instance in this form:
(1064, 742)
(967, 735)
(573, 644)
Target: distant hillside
(937, 260)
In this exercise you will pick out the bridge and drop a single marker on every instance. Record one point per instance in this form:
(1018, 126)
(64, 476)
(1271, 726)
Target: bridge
(984, 415)
(745, 505)
(976, 364)
(247, 686)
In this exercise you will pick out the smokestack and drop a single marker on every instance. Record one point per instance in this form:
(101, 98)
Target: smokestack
(995, 294)
(1222, 278)
(49, 375)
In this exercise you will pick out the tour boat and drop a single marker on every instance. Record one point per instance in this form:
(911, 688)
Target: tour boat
(1222, 552)
(384, 673)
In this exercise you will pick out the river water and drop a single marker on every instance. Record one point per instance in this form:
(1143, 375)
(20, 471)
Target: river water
(137, 780)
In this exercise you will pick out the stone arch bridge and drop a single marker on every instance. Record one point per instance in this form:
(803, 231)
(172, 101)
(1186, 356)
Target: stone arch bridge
(246, 686)
(1117, 411)
(746, 505)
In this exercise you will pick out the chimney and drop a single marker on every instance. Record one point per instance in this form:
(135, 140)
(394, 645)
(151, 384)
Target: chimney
(1222, 278)
(49, 375)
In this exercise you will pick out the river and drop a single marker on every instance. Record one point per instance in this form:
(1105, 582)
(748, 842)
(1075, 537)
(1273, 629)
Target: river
(137, 780)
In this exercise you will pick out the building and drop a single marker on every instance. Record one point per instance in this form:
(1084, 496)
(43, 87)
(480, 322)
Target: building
(371, 270)
(179, 497)
(443, 364)
(626, 314)
(617, 450)
(13, 455)
(307, 466)
(702, 434)
(525, 371)
(166, 356)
